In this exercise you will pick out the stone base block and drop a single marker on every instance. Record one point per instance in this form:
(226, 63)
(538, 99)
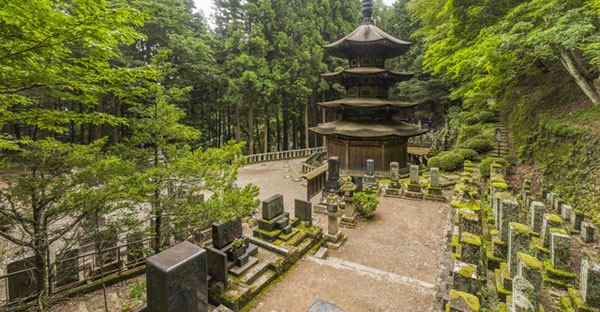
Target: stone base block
(413, 195)
(434, 198)
(271, 225)
(393, 192)
(287, 237)
(348, 222)
(238, 271)
(335, 241)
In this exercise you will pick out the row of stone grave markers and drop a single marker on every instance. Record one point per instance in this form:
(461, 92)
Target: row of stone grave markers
(464, 290)
(529, 249)
(414, 189)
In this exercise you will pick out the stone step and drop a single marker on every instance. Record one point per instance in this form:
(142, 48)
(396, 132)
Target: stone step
(239, 271)
(261, 282)
(305, 245)
(254, 272)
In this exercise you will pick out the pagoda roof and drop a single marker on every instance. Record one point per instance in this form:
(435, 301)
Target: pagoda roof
(367, 103)
(368, 39)
(367, 72)
(368, 129)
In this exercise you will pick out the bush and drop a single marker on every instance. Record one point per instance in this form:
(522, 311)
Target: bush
(479, 145)
(484, 167)
(486, 116)
(512, 159)
(448, 161)
(468, 154)
(365, 204)
(471, 120)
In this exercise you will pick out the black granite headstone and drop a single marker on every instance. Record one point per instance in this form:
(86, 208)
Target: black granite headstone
(358, 181)
(272, 207)
(176, 279)
(303, 210)
(223, 234)
(334, 168)
(217, 266)
(67, 268)
(24, 284)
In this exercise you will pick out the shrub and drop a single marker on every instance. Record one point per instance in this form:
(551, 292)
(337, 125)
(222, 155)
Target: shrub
(486, 116)
(451, 161)
(365, 204)
(512, 159)
(484, 167)
(468, 154)
(471, 120)
(479, 145)
(448, 161)
(435, 162)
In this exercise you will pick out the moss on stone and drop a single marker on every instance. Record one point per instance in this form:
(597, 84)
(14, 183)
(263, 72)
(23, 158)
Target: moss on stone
(494, 232)
(550, 269)
(467, 272)
(470, 239)
(471, 300)
(500, 185)
(455, 242)
(497, 165)
(469, 216)
(498, 242)
(561, 231)
(576, 299)
(277, 242)
(456, 256)
(554, 218)
(566, 304)
(530, 261)
(274, 232)
(521, 228)
(578, 212)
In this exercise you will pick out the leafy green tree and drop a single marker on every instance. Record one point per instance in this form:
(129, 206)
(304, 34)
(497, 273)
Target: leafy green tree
(171, 175)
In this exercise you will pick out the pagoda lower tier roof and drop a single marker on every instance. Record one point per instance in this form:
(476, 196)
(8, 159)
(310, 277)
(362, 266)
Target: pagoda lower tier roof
(367, 103)
(367, 39)
(368, 129)
(367, 72)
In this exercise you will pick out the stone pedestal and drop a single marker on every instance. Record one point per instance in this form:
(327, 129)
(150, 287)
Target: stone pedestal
(550, 221)
(464, 276)
(349, 217)
(176, 279)
(565, 212)
(509, 212)
(577, 217)
(524, 296)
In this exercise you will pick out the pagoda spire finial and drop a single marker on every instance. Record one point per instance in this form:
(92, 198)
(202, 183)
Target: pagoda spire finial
(367, 13)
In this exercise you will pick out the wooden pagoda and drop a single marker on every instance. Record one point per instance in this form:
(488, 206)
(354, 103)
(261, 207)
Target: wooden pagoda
(367, 129)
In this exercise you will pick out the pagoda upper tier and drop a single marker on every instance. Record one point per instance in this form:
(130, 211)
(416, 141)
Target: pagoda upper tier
(375, 76)
(367, 39)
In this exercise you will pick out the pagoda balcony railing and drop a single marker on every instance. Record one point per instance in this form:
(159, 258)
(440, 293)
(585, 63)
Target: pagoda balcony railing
(281, 155)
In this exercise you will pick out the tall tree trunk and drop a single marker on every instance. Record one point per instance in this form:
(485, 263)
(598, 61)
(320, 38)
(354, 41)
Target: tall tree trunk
(251, 124)
(324, 120)
(286, 129)
(278, 129)
(266, 140)
(237, 122)
(116, 133)
(588, 87)
(295, 132)
(98, 130)
(312, 102)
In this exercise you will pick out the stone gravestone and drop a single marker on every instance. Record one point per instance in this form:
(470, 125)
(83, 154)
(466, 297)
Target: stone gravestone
(67, 268)
(518, 242)
(272, 207)
(587, 232)
(537, 216)
(176, 279)
(589, 283)
(394, 171)
(24, 284)
(551, 221)
(223, 234)
(577, 217)
(369, 180)
(414, 174)
(333, 174)
(370, 167)
(434, 177)
(303, 211)
(565, 212)
(560, 251)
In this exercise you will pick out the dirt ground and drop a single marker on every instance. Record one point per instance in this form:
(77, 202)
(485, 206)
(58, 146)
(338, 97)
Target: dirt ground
(389, 263)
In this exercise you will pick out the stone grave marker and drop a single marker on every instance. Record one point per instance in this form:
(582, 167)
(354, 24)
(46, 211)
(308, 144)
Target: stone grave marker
(550, 221)
(589, 283)
(370, 167)
(176, 279)
(587, 232)
(565, 212)
(223, 234)
(434, 177)
(414, 174)
(394, 171)
(577, 217)
(303, 211)
(560, 251)
(509, 212)
(537, 216)
(524, 295)
(333, 171)
(518, 242)
(464, 277)
(217, 267)
(272, 207)
(24, 284)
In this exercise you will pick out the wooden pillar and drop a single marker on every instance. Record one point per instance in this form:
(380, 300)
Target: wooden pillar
(382, 166)
(324, 112)
(347, 155)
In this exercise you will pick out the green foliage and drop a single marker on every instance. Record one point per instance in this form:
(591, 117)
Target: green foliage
(468, 154)
(447, 161)
(484, 167)
(365, 204)
(479, 145)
